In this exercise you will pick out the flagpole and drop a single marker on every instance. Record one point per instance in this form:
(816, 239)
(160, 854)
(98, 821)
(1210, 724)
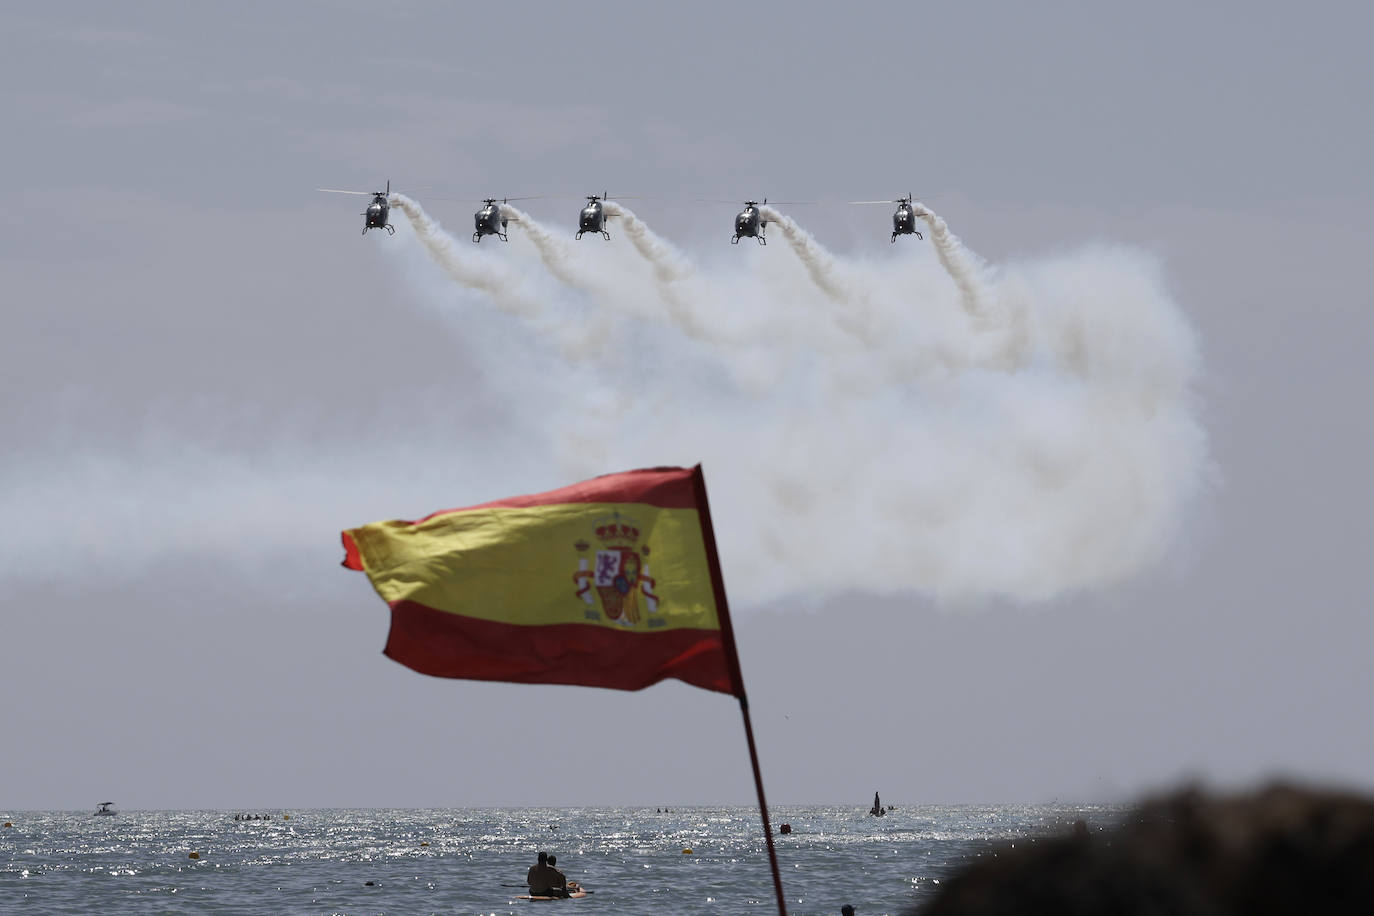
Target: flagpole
(727, 635)
(763, 805)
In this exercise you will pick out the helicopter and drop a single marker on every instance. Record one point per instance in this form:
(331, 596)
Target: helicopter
(593, 217)
(489, 221)
(374, 217)
(904, 220)
(750, 223)
(492, 218)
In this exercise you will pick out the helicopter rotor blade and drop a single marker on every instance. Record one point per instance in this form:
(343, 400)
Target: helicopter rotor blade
(737, 201)
(338, 191)
(484, 200)
(895, 200)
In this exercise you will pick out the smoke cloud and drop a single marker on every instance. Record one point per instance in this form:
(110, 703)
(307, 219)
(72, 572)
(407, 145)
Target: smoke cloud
(912, 423)
(915, 421)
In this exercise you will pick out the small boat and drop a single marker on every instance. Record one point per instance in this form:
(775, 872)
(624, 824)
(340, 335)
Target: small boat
(104, 810)
(877, 810)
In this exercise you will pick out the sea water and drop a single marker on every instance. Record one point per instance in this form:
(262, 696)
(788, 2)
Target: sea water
(363, 862)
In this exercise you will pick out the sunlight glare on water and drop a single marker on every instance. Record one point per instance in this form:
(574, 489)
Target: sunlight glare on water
(473, 861)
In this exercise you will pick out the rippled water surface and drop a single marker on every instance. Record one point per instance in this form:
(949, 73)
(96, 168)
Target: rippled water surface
(462, 861)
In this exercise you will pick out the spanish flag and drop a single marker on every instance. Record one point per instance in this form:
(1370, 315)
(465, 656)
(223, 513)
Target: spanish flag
(612, 582)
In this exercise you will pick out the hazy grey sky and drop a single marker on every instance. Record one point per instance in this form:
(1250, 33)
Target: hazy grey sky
(206, 374)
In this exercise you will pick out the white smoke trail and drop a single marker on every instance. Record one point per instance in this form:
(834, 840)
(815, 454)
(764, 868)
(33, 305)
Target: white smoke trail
(668, 262)
(820, 264)
(577, 339)
(671, 270)
(858, 317)
(494, 278)
(962, 265)
(1004, 332)
(555, 252)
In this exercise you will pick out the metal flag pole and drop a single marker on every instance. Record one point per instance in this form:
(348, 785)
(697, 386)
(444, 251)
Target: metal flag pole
(763, 806)
(727, 634)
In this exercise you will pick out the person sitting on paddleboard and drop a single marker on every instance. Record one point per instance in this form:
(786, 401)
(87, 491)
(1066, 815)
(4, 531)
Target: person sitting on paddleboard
(534, 869)
(545, 880)
(559, 882)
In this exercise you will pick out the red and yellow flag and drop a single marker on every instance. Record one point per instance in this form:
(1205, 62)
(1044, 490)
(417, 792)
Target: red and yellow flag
(612, 582)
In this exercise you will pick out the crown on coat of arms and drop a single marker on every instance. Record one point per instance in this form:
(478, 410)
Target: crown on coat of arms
(617, 533)
(613, 530)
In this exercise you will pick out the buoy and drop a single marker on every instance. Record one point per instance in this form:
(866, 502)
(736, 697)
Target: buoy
(286, 817)
(8, 824)
(194, 855)
(424, 843)
(687, 850)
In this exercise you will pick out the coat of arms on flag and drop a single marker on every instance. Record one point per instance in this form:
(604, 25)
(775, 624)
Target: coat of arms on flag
(618, 573)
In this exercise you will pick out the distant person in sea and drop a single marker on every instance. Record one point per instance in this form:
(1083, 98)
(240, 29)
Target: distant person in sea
(1281, 851)
(847, 910)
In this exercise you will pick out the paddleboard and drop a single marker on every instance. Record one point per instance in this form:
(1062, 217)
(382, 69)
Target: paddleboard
(573, 896)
